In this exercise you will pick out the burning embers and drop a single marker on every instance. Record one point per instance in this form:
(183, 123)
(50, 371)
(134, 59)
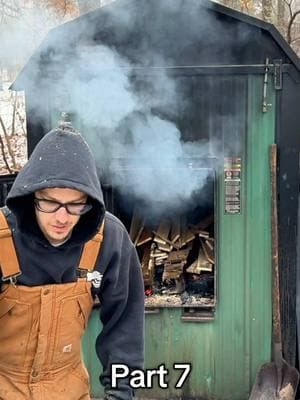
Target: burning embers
(177, 258)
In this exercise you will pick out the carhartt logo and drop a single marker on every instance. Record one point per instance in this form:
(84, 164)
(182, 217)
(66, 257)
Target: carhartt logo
(95, 277)
(67, 348)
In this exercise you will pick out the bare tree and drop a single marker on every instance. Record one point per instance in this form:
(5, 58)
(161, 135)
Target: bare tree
(12, 131)
(58, 11)
(293, 31)
(88, 5)
(267, 10)
(31, 19)
(281, 17)
(10, 10)
(284, 14)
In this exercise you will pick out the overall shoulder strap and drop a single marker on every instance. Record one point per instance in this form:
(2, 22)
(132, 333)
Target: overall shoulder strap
(9, 263)
(91, 250)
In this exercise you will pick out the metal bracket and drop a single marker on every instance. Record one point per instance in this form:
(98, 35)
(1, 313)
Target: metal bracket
(11, 278)
(152, 310)
(277, 74)
(196, 314)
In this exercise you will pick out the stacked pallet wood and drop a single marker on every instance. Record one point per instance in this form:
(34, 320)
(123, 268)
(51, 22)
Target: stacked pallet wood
(169, 245)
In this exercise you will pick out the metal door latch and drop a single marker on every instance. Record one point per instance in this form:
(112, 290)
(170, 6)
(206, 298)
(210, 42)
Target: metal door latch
(265, 103)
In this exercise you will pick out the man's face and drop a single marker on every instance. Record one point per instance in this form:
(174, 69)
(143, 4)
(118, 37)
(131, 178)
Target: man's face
(57, 226)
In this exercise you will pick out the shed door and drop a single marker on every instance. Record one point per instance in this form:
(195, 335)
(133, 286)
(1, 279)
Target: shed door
(225, 352)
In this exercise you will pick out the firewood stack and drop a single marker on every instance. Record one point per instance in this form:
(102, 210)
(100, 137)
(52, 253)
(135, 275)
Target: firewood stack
(179, 248)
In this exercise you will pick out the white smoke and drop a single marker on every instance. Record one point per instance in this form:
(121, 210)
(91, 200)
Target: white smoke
(127, 110)
(119, 123)
(100, 89)
(23, 25)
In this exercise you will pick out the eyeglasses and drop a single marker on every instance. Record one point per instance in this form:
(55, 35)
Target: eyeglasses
(51, 206)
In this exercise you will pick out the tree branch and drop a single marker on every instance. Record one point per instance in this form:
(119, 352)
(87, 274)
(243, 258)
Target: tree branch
(21, 120)
(289, 29)
(4, 155)
(295, 40)
(288, 3)
(10, 152)
(7, 9)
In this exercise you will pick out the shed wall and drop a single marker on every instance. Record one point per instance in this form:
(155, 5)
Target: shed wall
(225, 353)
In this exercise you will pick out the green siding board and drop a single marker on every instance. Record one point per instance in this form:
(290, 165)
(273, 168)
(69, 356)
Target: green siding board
(179, 342)
(261, 135)
(225, 353)
(89, 354)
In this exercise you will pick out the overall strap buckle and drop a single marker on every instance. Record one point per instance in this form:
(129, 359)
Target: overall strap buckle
(88, 259)
(12, 279)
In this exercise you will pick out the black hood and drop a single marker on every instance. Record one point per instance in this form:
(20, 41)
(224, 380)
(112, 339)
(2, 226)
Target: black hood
(61, 159)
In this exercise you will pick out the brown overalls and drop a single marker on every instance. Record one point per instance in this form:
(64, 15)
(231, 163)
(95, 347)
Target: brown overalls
(41, 329)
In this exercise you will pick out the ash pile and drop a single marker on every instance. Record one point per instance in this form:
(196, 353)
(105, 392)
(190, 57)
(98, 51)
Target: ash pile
(177, 257)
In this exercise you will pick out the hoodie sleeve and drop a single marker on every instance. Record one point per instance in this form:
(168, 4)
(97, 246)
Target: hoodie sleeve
(122, 312)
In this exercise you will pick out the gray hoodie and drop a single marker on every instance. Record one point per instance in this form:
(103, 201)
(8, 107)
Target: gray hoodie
(63, 159)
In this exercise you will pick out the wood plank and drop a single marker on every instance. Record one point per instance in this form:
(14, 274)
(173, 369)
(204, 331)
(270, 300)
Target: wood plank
(165, 241)
(175, 228)
(186, 235)
(158, 253)
(203, 224)
(137, 224)
(173, 271)
(203, 234)
(145, 236)
(178, 256)
(147, 266)
(163, 231)
(200, 264)
(210, 244)
(165, 247)
(209, 254)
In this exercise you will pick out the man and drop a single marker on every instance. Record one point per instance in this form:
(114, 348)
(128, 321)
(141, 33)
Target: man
(51, 272)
